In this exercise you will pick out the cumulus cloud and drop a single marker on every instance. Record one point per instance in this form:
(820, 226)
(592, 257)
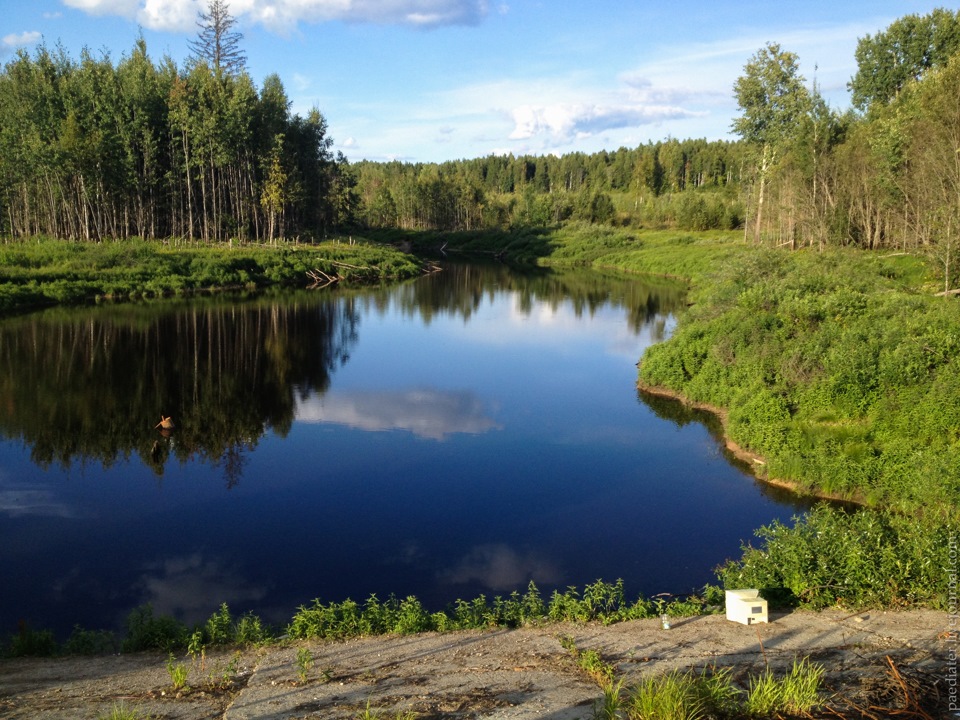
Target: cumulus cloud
(284, 15)
(15, 40)
(567, 122)
(124, 8)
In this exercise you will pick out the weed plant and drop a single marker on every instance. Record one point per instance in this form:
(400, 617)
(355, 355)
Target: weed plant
(304, 663)
(177, 672)
(31, 643)
(600, 601)
(147, 632)
(122, 712)
(672, 696)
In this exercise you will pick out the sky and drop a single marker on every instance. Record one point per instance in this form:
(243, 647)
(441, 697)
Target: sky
(437, 80)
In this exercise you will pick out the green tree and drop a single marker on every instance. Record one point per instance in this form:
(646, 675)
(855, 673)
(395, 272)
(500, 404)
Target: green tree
(773, 101)
(903, 53)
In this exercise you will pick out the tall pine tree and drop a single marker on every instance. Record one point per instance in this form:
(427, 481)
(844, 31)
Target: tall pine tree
(218, 43)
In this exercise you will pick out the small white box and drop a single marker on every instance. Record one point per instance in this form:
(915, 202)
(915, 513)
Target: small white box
(746, 606)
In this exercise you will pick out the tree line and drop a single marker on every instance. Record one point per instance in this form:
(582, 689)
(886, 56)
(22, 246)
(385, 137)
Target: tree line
(640, 185)
(96, 149)
(92, 149)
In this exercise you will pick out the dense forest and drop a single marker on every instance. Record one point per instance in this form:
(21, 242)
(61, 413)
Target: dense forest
(93, 149)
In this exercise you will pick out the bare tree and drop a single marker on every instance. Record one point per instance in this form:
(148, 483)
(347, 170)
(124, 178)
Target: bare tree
(218, 43)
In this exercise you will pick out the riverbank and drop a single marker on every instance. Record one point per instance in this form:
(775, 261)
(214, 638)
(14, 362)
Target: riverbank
(883, 661)
(42, 272)
(756, 463)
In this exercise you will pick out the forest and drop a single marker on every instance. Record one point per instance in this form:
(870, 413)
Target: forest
(93, 149)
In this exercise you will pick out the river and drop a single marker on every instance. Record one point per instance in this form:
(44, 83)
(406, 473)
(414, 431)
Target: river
(460, 434)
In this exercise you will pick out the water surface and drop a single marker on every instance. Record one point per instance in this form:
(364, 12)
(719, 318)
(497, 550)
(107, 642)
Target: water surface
(461, 434)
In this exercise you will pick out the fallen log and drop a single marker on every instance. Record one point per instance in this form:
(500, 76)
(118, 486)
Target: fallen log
(321, 279)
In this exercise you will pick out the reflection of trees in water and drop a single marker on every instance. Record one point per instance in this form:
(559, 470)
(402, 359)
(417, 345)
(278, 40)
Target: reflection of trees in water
(460, 288)
(682, 414)
(92, 384)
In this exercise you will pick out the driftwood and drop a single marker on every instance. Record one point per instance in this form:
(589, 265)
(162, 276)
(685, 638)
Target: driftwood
(321, 279)
(948, 293)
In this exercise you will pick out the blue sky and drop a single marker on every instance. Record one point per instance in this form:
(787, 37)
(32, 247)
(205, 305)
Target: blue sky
(434, 80)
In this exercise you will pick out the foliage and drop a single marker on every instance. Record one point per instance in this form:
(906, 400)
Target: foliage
(220, 629)
(891, 59)
(177, 672)
(31, 643)
(600, 601)
(304, 663)
(44, 272)
(122, 712)
(90, 642)
(688, 184)
(671, 696)
(834, 369)
(797, 693)
(147, 632)
(218, 44)
(93, 150)
(833, 557)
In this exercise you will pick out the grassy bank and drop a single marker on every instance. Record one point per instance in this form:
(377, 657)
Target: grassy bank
(37, 273)
(601, 601)
(840, 372)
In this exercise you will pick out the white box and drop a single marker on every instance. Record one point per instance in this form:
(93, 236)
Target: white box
(746, 606)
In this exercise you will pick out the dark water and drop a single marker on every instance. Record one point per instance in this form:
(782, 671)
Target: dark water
(462, 434)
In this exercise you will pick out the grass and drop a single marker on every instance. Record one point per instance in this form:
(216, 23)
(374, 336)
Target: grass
(122, 712)
(689, 695)
(46, 272)
(711, 693)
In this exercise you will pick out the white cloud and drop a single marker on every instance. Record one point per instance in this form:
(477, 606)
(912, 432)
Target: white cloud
(124, 8)
(15, 40)
(284, 15)
(19, 501)
(566, 122)
(183, 586)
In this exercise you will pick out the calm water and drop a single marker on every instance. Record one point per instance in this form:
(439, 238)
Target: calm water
(462, 434)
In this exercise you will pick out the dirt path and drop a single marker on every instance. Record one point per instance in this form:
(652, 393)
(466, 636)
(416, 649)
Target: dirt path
(517, 674)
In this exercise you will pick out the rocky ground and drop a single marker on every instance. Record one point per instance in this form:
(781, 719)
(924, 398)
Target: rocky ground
(879, 665)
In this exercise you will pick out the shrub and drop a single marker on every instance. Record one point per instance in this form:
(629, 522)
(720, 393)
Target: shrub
(146, 632)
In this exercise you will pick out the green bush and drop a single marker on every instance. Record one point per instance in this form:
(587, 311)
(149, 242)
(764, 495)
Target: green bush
(146, 632)
(90, 642)
(32, 643)
(833, 557)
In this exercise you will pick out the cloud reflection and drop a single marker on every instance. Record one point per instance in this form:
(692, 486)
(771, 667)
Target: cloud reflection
(500, 567)
(426, 413)
(183, 587)
(25, 501)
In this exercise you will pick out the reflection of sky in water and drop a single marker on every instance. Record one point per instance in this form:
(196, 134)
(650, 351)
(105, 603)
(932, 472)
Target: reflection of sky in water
(425, 413)
(448, 458)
